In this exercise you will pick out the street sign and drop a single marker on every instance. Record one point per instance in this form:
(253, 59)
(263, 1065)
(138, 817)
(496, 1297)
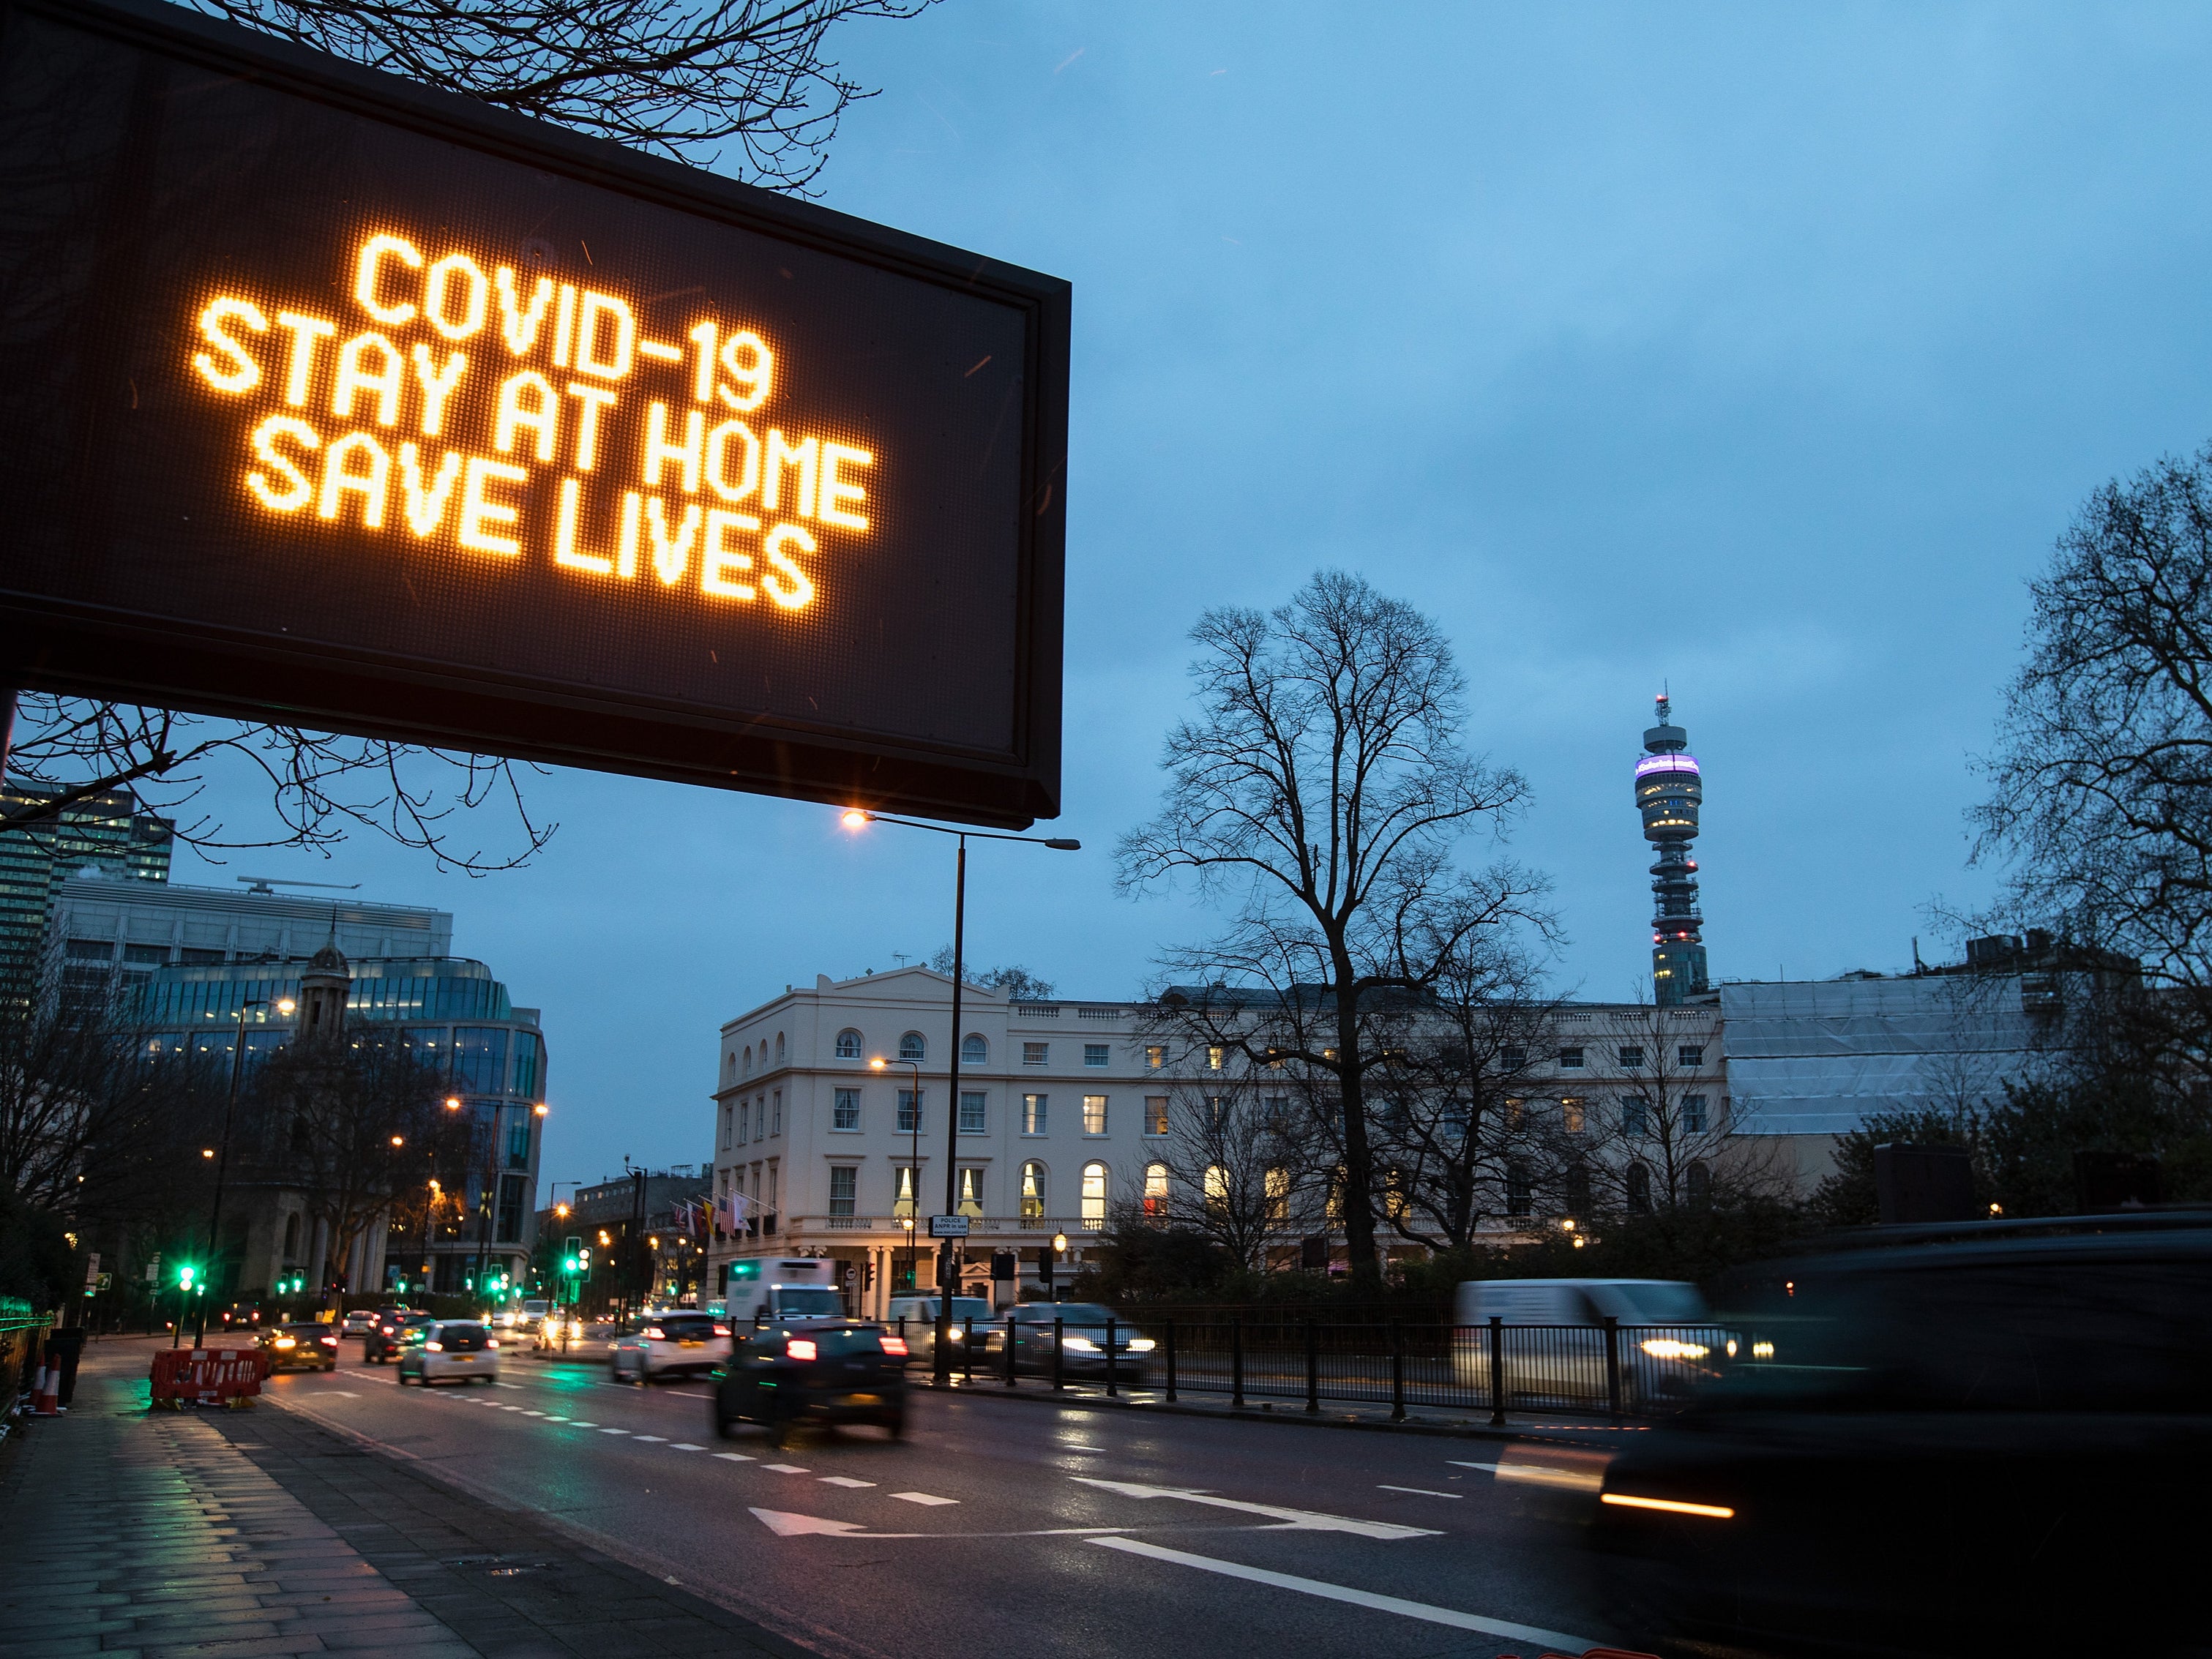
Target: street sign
(332, 400)
(948, 1226)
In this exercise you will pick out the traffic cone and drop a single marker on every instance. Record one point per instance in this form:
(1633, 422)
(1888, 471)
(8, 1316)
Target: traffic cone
(46, 1392)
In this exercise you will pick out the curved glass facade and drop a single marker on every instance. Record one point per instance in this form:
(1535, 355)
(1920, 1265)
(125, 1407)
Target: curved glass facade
(404, 989)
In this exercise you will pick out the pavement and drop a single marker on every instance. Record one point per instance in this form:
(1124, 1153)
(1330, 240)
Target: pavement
(557, 1512)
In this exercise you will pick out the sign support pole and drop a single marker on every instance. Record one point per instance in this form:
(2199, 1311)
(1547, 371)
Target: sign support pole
(948, 1271)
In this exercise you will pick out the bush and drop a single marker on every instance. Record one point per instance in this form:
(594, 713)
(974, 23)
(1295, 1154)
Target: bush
(36, 1262)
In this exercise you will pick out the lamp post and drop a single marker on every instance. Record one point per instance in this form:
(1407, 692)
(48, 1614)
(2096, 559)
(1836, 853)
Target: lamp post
(491, 1188)
(857, 818)
(913, 1175)
(283, 1005)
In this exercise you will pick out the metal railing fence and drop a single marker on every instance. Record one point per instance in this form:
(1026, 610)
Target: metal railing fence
(1612, 1369)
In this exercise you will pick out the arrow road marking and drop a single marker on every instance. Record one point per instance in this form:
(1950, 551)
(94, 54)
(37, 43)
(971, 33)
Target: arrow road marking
(784, 1524)
(1418, 1491)
(1293, 1520)
(1358, 1598)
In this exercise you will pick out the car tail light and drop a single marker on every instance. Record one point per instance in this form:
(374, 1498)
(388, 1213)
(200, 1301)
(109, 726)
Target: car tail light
(434, 1347)
(491, 1342)
(654, 1332)
(894, 1347)
(800, 1348)
(329, 1341)
(721, 1330)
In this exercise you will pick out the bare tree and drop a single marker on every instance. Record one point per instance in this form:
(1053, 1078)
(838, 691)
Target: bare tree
(1458, 1138)
(1663, 1141)
(744, 82)
(1320, 794)
(1240, 1169)
(2100, 781)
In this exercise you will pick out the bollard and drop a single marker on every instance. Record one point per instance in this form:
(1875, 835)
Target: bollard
(968, 1349)
(1009, 1350)
(1236, 1363)
(1612, 1365)
(1397, 1373)
(1497, 1371)
(1110, 1390)
(1313, 1368)
(1059, 1342)
(1171, 1362)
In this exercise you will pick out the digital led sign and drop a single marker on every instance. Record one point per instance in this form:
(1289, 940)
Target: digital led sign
(328, 399)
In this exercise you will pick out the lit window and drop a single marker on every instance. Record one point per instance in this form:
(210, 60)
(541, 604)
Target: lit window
(1033, 1191)
(849, 1044)
(1155, 1114)
(903, 1189)
(974, 1112)
(1097, 1054)
(1036, 1054)
(1216, 1186)
(1570, 1118)
(971, 1192)
(1094, 1193)
(1214, 1058)
(1279, 1195)
(973, 1050)
(1156, 1189)
(1033, 1113)
(1093, 1114)
(845, 1111)
(1155, 1057)
(913, 1047)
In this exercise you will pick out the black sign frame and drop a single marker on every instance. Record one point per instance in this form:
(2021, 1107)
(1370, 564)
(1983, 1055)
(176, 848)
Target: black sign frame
(109, 652)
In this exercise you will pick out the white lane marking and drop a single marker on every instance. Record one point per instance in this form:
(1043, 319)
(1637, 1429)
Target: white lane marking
(1293, 1520)
(784, 1468)
(517, 1387)
(784, 1524)
(685, 1445)
(1358, 1598)
(614, 1430)
(1418, 1491)
(578, 1423)
(550, 1418)
(529, 1414)
(922, 1497)
(510, 1408)
(844, 1481)
(734, 1457)
(653, 1436)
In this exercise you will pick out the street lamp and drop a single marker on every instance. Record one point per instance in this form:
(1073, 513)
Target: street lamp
(283, 1005)
(947, 1272)
(913, 1177)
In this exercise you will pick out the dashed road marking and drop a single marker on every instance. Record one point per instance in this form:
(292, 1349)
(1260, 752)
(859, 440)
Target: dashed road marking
(653, 1436)
(784, 1468)
(734, 1457)
(685, 1445)
(614, 1430)
(844, 1481)
(922, 1497)
(578, 1423)
(1418, 1491)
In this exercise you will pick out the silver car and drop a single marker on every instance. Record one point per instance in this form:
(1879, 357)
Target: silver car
(670, 1344)
(914, 1317)
(1083, 1329)
(457, 1349)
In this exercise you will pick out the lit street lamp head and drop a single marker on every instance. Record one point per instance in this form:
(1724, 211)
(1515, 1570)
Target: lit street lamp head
(856, 819)
(875, 1066)
(1060, 1243)
(452, 1103)
(285, 1005)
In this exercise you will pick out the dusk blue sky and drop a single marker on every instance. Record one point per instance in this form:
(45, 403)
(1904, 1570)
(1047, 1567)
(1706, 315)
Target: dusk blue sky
(1761, 351)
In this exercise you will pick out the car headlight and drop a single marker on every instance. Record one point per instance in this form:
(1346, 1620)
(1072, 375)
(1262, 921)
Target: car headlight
(1762, 1350)
(1667, 1347)
(1141, 1344)
(952, 1335)
(1082, 1345)
(434, 1347)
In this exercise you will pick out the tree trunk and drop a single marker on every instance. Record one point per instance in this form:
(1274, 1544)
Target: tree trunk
(1357, 1197)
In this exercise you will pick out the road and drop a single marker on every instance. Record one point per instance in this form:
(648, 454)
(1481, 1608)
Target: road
(1003, 1527)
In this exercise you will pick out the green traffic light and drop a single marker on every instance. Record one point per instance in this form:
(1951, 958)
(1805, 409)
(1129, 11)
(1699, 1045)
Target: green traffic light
(184, 1278)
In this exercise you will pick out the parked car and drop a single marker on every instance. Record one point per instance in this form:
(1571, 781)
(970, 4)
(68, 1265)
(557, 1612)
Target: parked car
(307, 1347)
(1986, 1439)
(914, 1317)
(1670, 1342)
(382, 1341)
(357, 1323)
(676, 1343)
(462, 1349)
(531, 1314)
(1084, 1326)
(789, 1375)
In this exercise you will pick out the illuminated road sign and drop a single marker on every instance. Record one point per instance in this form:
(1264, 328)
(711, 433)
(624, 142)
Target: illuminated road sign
(328, 398)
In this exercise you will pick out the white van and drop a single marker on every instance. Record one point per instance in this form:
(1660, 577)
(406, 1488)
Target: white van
(781, 1288)
(1669, 1341)
(915, 1316)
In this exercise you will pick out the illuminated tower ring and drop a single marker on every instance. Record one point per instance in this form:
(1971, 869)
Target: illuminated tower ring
(1669, 793)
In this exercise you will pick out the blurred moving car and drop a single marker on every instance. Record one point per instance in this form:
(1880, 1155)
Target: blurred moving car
(307, 1347)
(531, 1314)
(462, 1349)
(357, 1323)
(1085, 1327)
(676, 1343)
(914, 1318)
(1983, 1437)
(785, 1376)
(558, 1333)
(1669, 1343)
(381, 1342)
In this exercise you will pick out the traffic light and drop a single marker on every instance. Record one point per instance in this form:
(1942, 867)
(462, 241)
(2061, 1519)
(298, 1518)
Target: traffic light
(584, 1262)
(186, 1275)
